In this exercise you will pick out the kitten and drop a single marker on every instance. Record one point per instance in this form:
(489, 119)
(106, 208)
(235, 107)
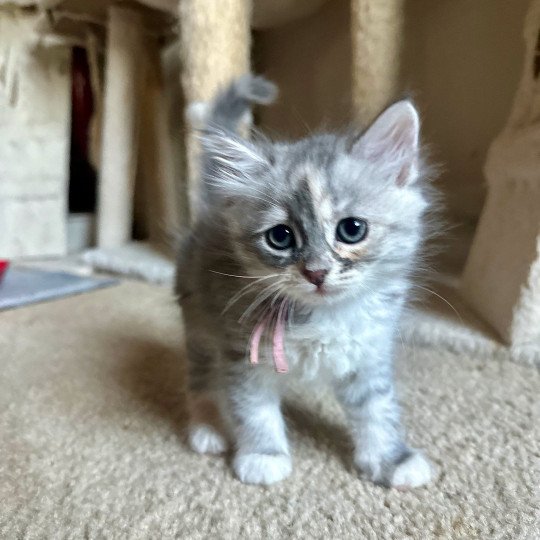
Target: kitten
(297, 267)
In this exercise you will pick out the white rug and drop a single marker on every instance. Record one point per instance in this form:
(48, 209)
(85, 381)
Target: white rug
(136, 259)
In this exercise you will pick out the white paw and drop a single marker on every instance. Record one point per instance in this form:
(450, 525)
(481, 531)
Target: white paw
(204, 439)
(262, 468)
(415, 471)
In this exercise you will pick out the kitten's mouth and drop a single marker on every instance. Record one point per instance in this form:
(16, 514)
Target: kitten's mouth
(307, 293)
(325, 291)
(325, 294)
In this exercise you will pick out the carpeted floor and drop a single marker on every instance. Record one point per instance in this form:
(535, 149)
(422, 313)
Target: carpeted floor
(91, 419)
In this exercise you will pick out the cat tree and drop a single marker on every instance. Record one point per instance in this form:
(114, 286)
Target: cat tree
(35, 41)
(34, 139)
(502, 276)
(215, 47)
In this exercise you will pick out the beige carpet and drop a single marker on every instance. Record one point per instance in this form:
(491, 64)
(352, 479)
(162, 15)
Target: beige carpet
(91, 418)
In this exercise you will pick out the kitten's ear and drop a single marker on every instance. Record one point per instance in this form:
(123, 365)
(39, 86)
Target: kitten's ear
(230, 159)
(392, 142)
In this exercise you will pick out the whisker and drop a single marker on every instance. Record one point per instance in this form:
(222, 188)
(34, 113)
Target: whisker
(258, 300)
(266, 293)
(292, 307)
(242, 292)
(245, 290)
(239, 276)
(443, 299)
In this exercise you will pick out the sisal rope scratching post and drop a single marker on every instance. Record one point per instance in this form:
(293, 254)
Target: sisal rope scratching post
(156, 155)
(502, 275)
(376, 33)
(120, 126)
(215, 45)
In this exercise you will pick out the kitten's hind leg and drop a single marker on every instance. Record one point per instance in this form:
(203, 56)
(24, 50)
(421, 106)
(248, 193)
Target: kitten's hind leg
(206, 434)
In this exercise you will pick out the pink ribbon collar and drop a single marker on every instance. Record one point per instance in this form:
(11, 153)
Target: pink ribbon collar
(278, 335)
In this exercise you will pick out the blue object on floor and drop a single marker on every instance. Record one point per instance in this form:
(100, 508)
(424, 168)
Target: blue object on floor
(22, 286)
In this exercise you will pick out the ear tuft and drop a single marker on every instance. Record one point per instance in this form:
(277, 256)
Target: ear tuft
(392, 141)
(230, 162)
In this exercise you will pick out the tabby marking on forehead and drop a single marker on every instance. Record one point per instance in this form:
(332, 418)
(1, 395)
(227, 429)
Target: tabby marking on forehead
(311, 178)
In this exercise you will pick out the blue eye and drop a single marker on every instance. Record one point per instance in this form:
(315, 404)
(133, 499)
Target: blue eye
(352, 230)
(280, 237)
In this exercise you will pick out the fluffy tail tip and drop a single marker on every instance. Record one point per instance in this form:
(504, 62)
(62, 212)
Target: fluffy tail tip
(257, 89)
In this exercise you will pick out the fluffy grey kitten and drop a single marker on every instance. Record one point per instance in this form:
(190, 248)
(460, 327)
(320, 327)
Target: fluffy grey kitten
(297, 267)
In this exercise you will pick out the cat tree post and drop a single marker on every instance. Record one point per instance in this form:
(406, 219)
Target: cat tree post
(376, 33)
(502, 275)
(156, 157)
(215, 48)
(119, 140)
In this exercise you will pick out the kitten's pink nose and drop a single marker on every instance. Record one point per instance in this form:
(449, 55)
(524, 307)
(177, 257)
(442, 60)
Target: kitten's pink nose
(315, 276)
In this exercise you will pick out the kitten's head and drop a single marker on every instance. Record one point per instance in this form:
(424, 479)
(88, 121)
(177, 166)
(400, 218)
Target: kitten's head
(328, 217)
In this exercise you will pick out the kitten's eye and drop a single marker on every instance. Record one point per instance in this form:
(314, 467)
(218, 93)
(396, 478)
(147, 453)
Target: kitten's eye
(351, 230)
(280, 237)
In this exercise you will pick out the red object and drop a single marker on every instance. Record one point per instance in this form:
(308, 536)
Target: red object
(3, 267)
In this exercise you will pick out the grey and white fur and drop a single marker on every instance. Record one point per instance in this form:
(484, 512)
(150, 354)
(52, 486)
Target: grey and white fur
(343, 298)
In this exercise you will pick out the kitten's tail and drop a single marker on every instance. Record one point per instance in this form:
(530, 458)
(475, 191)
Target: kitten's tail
(232, 106)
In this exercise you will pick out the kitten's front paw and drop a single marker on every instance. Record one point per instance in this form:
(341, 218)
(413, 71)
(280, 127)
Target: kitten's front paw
(410, 471)
(415, 471)
(205, 439)
(262, 468)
